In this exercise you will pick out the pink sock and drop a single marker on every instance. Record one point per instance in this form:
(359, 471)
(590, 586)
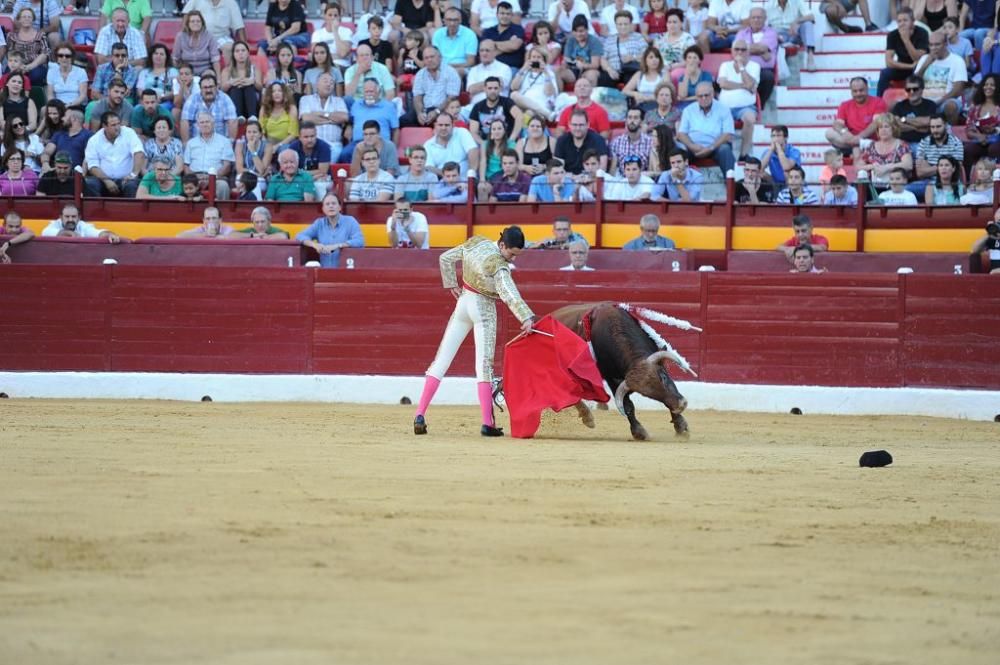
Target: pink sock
(485, 390)
(431, 384)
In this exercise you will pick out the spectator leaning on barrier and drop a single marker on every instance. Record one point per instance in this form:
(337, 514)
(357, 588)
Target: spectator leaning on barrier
(706, 129)
(803, 228)
(407, 228)
(331, 233)
(562, 235)
(260, 227)
(16, 234)
(752, 189)
(579, 251)
(855, 118)
(649, 236)
(69, 225)
(114, 158)
(680, 182)
(211, 226)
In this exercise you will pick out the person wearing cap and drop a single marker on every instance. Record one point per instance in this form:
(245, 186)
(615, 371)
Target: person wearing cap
(59, 180)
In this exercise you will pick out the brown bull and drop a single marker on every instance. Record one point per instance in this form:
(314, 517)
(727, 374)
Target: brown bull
(628, 359)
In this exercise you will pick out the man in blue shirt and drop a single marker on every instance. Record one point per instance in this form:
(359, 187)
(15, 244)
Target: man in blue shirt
(458, 45)
(649, 236)
(551, 186)
(706, 128)
(681, 182)
(780, 156)
(331, 233)
(371, 107)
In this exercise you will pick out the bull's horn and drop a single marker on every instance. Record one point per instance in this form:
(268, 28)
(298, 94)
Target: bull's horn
(620, 394)
(658, 357)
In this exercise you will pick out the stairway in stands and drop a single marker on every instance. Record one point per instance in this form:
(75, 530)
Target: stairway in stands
(808, 108)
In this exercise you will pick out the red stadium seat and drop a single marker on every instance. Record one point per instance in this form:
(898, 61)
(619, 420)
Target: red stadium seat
(255, 33)
(7, 23)
(411, 136)
(713, 61)
(166, 32)
(82, 23)
(893, 95)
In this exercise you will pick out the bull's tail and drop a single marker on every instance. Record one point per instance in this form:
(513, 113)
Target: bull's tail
(641, 314)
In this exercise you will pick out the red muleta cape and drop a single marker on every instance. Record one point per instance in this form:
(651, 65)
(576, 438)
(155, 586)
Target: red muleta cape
(542, 372)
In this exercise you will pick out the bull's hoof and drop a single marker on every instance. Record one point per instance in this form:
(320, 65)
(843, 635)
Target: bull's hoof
(640, 434)
(419, 425)
(586, 415)
(683, 435)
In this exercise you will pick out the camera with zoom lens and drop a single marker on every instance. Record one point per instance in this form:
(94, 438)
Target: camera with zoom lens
(993, 229)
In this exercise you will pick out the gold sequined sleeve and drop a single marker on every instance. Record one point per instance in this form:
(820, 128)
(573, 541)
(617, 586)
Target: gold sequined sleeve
(447, 262)
(508, 292)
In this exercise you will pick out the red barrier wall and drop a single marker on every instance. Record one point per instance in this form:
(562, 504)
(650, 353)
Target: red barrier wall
(833, 329)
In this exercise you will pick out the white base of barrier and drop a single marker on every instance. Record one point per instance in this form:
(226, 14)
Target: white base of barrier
(948, 403)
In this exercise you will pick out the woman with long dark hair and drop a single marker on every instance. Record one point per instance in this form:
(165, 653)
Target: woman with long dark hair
(159, 74)
(486, 278)
(982, 125)
(947, 188)
(52, 120)
(241, 80)
(663, 145)
(15, 103)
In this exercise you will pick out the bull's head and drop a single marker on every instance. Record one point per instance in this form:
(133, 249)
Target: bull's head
(650, 378)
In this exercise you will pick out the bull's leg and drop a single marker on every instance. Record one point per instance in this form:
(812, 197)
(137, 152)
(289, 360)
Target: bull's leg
(680, 425)
(584, 412)
(638, 431)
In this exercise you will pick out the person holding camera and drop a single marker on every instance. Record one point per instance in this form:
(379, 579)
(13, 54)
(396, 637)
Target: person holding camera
(407, 228)
(990, 243)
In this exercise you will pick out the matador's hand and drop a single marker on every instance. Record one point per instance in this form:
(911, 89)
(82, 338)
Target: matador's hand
(528, 323)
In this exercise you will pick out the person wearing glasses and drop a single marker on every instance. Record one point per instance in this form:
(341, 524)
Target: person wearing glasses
(914, 112)
(160, 182)
(66, 82)
(739, 79)
(706, 129)
(117, 68)
(457, 44)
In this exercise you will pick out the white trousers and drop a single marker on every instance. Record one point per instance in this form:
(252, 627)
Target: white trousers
(478, 314)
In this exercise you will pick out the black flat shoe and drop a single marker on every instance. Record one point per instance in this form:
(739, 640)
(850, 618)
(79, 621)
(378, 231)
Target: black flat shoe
(419, 425)
(489, 430)
(852, 29)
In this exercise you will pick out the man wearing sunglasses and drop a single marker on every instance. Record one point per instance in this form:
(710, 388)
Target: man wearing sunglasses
(914, 112)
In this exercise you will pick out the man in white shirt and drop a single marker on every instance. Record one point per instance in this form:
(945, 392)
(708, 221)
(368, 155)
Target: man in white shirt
(407, 228)
(725, 19)
(475, 81)
(562, 13)
(327, 111)
(114, 156)
(450, 144)
(607, 17)
(578, 253)
(635, 187)
(738, 79)
(945, 77)
(69, 225)
(210, 151)
(223, 20)
(372, 184)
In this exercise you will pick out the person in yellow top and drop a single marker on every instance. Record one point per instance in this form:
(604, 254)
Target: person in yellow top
(485, 279)
(279, 119)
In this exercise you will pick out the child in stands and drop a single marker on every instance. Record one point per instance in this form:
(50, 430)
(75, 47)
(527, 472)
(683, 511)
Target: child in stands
(897, 194)
(834, 160)
(840, 193)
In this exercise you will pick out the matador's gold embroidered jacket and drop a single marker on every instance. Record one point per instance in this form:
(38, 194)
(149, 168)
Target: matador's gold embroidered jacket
(486, 271)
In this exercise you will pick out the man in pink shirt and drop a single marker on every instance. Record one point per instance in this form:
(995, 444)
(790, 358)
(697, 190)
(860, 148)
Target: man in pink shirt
(855, 118)
(763, 43)
(596, 114)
